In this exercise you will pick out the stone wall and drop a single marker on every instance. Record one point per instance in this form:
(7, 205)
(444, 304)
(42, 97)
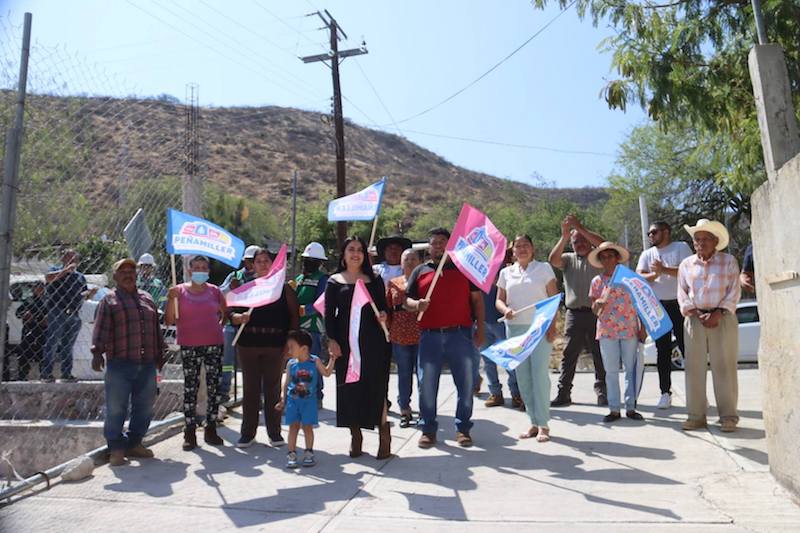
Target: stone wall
(776, 246)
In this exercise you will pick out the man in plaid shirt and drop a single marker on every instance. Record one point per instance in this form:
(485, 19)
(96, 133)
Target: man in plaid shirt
(127, 331)
(708, 291)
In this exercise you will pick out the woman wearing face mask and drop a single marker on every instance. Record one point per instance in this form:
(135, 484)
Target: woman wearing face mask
(261, 348)
(199, 334)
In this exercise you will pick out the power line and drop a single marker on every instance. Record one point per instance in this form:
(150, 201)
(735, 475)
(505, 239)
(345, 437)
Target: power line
(378, 96)
(492, 69)
(512, 145)
(263, 74)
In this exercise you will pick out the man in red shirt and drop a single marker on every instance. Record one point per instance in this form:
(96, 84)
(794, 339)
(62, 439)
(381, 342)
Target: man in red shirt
(446, 333)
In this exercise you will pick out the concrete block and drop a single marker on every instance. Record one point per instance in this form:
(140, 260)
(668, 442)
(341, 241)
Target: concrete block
(775, 228)
(776, 116)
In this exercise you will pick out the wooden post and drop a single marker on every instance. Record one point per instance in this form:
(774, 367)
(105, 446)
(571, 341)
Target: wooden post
(433, 283)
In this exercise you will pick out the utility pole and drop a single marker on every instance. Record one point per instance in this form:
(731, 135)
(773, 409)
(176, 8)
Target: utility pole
(335, 57)
(192, 187)
(8, 194)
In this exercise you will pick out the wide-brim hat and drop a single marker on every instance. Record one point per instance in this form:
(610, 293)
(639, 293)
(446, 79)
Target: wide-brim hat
(715, 228)
(122, 262)
(624, 254)
(381, 245)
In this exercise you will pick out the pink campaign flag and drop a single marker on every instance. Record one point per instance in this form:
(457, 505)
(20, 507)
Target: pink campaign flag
(319, 304)
(476, 247)
(361, 298)
(263, 290)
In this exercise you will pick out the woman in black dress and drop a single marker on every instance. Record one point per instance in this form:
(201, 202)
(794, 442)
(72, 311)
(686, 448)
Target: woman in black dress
(361, 404)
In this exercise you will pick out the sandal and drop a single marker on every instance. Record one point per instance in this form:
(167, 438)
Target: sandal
(531, 433)
(544, 435)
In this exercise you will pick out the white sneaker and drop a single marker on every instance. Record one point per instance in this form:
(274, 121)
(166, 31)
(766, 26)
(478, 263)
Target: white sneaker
(665, 402)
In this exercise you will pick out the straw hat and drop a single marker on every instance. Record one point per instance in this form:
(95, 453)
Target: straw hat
(624, 255)
(713, 227)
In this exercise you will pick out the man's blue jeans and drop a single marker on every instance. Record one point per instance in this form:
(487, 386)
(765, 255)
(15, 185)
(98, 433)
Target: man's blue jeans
(62, 331)
(405, 357)
(497, 332)
(128, 383)
(228, 355)
(455, 347)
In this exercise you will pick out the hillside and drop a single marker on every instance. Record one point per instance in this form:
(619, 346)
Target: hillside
(252, 152)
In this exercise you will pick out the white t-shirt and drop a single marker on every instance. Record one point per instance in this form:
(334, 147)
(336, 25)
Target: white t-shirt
(388, 272)
(671, 255)
(525, 287)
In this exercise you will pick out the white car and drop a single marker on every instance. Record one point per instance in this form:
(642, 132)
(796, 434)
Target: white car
(749, 333)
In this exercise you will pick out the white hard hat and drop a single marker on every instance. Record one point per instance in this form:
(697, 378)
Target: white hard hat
(314, 250)
(147, 259)
(250, 251)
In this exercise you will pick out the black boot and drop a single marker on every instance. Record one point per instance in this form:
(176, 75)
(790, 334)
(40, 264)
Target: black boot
(356, 440)
(189, 437)
(210, 434)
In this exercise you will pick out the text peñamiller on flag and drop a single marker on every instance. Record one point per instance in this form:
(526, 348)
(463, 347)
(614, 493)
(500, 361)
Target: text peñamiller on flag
(191, 235)
(362, 205)
(477, 247)
(653, 315)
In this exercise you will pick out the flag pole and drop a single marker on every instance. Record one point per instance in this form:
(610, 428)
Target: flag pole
(241, 328)
(503, 319)
(174, 283)
(378, 318)
(372, 236)
(433, 282)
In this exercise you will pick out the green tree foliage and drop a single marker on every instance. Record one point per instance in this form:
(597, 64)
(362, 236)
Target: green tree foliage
(678, 183)
(685, 63)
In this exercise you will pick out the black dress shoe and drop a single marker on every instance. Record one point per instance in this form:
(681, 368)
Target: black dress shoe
(561, 401)
(610, 417)
(633, 415)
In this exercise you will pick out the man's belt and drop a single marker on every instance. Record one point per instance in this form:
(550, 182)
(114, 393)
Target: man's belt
(261, 330)
(448, 329)
(580, 309)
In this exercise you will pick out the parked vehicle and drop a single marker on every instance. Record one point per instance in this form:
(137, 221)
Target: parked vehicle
(749, 333)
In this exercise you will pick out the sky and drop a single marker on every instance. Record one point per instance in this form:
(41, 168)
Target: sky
(544, 100)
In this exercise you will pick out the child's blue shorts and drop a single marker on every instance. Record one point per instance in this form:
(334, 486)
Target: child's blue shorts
(301, 410)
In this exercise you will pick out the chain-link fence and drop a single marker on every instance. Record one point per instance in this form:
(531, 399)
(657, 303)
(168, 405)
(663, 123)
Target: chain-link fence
(91, 160)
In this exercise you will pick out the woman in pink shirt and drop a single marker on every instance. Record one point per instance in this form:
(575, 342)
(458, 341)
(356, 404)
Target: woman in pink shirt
(201, 308)
(618, 330)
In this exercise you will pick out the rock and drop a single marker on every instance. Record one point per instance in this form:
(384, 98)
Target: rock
(79, 468)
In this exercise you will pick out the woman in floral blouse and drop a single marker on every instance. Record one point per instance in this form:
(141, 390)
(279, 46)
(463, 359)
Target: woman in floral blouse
(404, 334)
(618, 330)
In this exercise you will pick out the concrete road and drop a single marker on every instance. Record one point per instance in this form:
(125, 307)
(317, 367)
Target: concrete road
(626, 477)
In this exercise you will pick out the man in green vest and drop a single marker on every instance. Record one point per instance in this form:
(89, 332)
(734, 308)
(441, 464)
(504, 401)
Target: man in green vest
(310, 285)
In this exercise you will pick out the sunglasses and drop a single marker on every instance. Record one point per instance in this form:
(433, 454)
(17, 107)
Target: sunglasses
(653, 231)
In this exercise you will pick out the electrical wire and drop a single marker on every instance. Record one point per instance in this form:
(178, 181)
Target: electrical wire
(492, 69)
(512, 145)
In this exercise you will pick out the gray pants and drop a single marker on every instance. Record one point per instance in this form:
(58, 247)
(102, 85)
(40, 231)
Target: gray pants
(579, 332)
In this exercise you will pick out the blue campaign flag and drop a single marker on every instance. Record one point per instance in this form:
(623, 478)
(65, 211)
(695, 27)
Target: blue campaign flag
(653, 315)
(509, 353)
(191, 235)
(362, 205)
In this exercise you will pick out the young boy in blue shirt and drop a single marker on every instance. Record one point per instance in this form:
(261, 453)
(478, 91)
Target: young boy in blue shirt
(299, 401)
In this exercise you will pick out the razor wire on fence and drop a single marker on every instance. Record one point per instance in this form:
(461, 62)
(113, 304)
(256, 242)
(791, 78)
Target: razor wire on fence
(97, 171)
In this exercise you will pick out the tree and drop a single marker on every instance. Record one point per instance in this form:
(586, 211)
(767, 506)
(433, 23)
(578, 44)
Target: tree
(678, 183)
(685, 63)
